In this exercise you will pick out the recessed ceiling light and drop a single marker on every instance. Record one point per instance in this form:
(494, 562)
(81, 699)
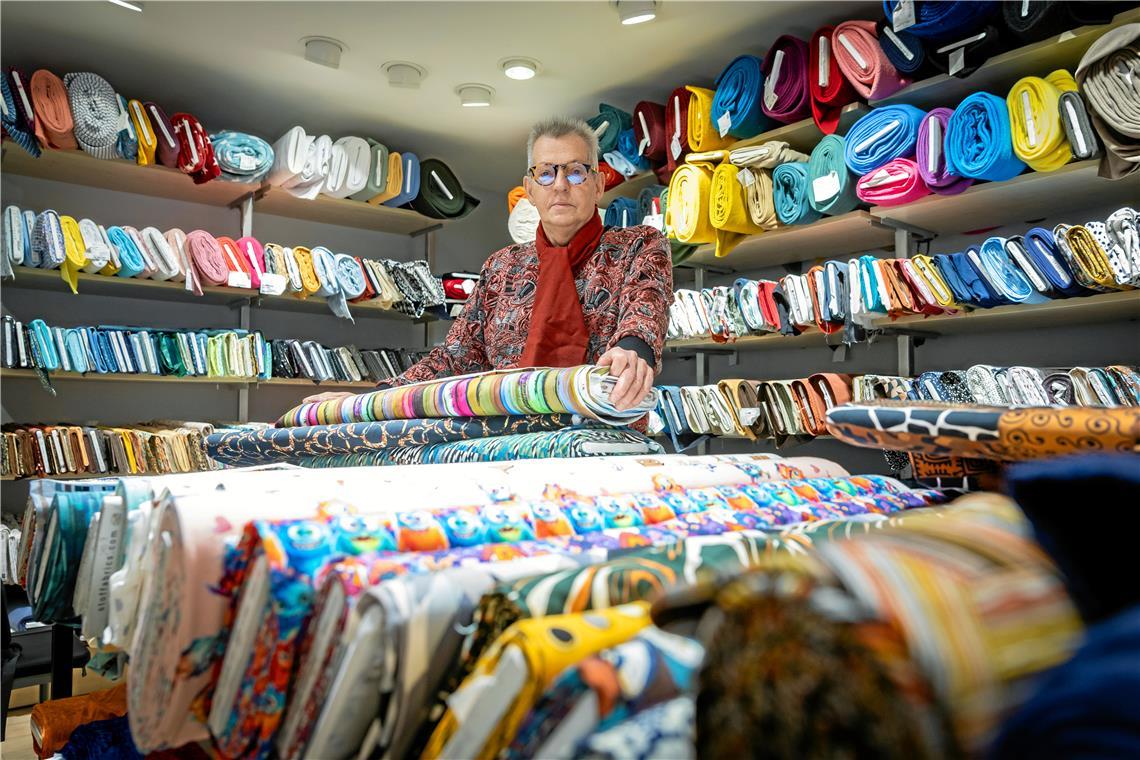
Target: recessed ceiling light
(636, 11)
(474, 95)
(135, 6)
(404, 74)
(324, 50)
(519, 68)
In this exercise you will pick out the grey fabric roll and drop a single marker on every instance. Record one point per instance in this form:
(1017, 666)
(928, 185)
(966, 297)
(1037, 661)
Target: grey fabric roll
(1109, 78)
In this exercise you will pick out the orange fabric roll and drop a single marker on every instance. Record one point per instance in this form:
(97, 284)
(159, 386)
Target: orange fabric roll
(55, 127)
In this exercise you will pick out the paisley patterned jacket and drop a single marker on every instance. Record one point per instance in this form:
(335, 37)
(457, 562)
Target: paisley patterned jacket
(625, 288)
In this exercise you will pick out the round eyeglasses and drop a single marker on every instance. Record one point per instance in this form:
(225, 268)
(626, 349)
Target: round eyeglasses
(575, 173)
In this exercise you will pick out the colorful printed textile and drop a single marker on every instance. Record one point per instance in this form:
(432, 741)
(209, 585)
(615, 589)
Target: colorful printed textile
(664, 730)
(239, 448)
(986, 432)
(583, 390)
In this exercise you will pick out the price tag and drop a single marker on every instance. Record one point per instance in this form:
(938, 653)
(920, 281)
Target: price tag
(1024, 8)
(770, 97)
(273, 284)
(746, 178)
(824, 75)
(825, 187)
(247, 163)
(749, 415)
(903, 16)
(656, 221)
(675, 147)
(724, 123)
(957, 61)
(898, 43)
(239, 280)
(1030, 122)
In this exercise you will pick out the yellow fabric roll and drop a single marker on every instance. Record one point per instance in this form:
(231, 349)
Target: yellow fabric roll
(703, 134)
(395, 179)
(928, 271)
(76, 249)
(1039, 138)
(687, 212)
(729, 207)
(1090, 257)
(310, 283)
(148, 142)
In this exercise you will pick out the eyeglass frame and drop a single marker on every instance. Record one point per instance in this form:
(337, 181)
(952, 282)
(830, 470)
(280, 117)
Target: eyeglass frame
(561, 168)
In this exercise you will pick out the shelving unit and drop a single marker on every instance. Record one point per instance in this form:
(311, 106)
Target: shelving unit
(804, 135)
(631, 188)
(28, 374)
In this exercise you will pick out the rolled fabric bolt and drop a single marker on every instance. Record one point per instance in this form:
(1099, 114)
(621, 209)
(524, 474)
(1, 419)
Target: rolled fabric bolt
(830, 90)
(737, 107)
(882, 135)
(978, 140)
(903, 49)
(1039, 137)
(930, 155)
(944, 19)
(787, 96)
(893, 184)
(832, 185)
(863, 62)
(792, 190)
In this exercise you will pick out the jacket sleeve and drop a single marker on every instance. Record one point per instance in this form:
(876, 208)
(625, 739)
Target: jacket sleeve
(645, 296)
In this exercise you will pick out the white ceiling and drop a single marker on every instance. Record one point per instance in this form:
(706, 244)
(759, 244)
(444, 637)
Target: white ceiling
(239, 65)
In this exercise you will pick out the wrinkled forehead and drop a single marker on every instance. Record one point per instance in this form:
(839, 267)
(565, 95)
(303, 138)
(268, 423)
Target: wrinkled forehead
(560, 150)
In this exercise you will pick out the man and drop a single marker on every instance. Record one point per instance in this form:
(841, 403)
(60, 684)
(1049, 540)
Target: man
(579, 294)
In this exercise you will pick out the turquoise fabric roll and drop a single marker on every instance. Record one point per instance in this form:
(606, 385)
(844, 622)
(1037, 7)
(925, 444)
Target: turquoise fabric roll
(738, 94)
(791, 187)
(979, 143)
(627, 146)
(623, 212)
(616, 121)
(131, 261)
(832, 188)
(881, 136)
(242, 157)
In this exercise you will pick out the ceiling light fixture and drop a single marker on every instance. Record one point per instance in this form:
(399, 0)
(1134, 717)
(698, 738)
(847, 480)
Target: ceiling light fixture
(636, 11)
(404, 74)
(135, 6)
(474, 95)
(324, 50)
(519, 68)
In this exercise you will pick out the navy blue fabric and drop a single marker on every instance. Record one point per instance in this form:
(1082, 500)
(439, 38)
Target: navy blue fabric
(982, 294)
(1042, 248)
(944, 19)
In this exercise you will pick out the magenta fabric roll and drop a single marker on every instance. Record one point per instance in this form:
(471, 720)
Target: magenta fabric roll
(893, 184)
(787, 97)
(931, 156)
(855, 46)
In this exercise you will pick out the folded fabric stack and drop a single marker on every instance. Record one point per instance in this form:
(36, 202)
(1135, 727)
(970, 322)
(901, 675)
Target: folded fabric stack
(309, 359)
(155, 448)
(50, 241)
(105, 349)
(1042, 264)
(9, 552)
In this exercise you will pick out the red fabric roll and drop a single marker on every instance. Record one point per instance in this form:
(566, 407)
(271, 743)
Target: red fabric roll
(677, 128)
(195, 151)
(612, 176)
(827, 100)
(650, 116)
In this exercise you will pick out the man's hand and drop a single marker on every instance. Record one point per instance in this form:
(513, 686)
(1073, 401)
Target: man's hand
(330, 396)
(634, 377)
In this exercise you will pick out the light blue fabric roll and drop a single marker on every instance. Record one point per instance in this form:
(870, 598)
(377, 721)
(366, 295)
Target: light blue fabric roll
(882, 135)
(979, 142)
(1003, 276)
(242, 157)
(627, 146)
(791, 185)
(131, 261)
(410, 185)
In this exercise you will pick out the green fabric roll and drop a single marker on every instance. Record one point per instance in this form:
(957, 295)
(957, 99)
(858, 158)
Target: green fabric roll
(377, 181)
(835, 195)
(645, 200)
(435, 201)
(618, 121)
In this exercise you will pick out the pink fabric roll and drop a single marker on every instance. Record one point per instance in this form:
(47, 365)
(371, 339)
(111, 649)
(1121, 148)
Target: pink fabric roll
(893, 184)
(254, 254)
(206, 256)
(867, 68)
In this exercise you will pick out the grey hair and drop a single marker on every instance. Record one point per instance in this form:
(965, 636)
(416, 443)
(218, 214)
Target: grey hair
(563, 126)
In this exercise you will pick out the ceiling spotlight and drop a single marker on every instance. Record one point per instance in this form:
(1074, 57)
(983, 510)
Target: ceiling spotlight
(323, 50)
(474, 95)
(135, 6)
(636, 11)
(404, 74)
(519, 68)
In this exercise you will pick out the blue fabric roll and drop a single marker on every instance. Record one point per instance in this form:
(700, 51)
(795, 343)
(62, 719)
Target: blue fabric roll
(242, 157)
(943, 19)
(828, 168)
(627, 146)
(949, 272)
(791, 186)
(869, 278)
(882, 135)
(981, 292)
(1042, 249)
(979, 142)
(13, 122)
(131, 261)
(127, 143)
(410, 186)
(903, 49)
(1003, 276)
(627, 207)
(738, 93)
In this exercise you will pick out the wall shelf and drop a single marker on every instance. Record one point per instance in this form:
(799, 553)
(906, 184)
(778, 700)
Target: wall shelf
(631, 188)
(804, 135)
(29, 374)
(344, 212)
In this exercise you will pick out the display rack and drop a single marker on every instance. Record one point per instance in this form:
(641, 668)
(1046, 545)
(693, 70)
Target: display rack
(123, 377)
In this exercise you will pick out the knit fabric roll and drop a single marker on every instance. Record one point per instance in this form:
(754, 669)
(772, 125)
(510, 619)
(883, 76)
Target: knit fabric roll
(13, 119)
(787, 97)
(622, 212)
(832, 186)
(608, 125)
(792, 189)
(863, 62)
(1108, 75)
(882, 135)
(702, 134)
(687, 212)
(95, 113)
(978, 140)
(903, 49)
(930, 155)
(54, 123)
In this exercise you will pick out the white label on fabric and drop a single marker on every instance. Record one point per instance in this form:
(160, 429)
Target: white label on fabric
(23, 96)
(143, 121)
(932, 390)
(773, 77)
(854, 53)
(903, 15)
(893, 124)
(162, 125)
(440, 184)
(724, 123)
(675, 147)
(1024, 8)
(749, 415)
(1075, 128)
(933, 145)
(273, 284)
(962, 43)
(641, 146)
(746, 178)
(601, 128)
(957, 61)
(881, 177)
(239, 280)
(824, 76)
(4, 107)
(190, 142)
(656, 221)
(252, 256)
(625, 217)
(408, 177)
(1030, 123)
(828, 401)
(247, 163)
(898, 43)
(825, 187)
(381, 165)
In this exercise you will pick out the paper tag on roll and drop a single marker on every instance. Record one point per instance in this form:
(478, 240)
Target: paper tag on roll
(903, 16)
(239, 280)
(957, 61)
(247, 163)
(675, 147)
(746, 178)
(826, 187)
(657, 221)
(273, 284)
(749, 415)
(724, 123)
(824, 75)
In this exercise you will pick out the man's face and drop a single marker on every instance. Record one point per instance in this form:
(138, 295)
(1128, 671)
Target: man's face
(562, 205)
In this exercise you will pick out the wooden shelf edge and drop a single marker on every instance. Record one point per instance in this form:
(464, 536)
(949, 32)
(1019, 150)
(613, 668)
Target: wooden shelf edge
(28, 374)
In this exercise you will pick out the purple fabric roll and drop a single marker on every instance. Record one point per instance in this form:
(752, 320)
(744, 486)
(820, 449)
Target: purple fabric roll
(939, 180)
(786, 97)
(167, 141)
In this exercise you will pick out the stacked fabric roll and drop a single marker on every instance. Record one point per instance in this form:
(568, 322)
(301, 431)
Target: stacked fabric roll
(849, 297)
(1106, 76)
(50, 241)
(346, 364)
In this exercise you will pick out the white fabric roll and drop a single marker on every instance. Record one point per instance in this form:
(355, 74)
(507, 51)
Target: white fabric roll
(523, 222)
